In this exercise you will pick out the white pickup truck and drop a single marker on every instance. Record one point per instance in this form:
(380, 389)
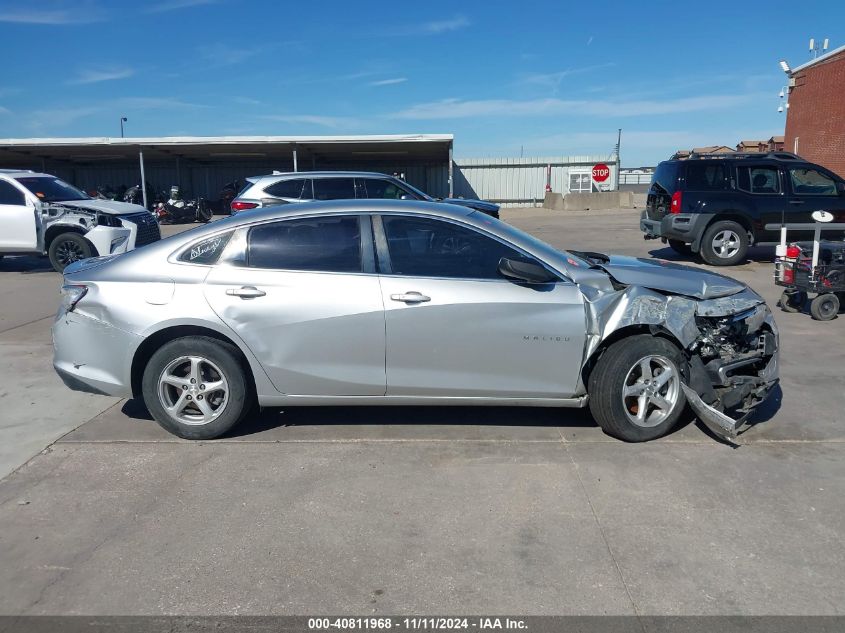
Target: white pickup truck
(40, 214)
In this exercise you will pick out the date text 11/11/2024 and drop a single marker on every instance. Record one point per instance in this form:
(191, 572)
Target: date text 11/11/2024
(415, 623)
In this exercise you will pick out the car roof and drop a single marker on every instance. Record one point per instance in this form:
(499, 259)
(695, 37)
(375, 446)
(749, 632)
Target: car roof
(330, 207)
(15, 173)
(321, 174)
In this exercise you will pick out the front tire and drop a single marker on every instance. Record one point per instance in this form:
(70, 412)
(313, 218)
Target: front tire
(196, 387)
(724, 243)
(68, 248)
(635, 388)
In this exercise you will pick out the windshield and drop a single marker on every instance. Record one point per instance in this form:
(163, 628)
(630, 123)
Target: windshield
(422, 195)
(49, 189)
(521, 238)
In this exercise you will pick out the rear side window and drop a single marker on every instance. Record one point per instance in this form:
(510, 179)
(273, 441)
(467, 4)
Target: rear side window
(666, 177)
(330, 244)
(760, 180)
(812, 182)
(706, 176)
(298, 189)
(9, 194)
(207, 251)
(334, 189)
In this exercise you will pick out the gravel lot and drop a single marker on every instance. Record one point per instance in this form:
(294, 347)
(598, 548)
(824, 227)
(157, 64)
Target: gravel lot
(418, 511)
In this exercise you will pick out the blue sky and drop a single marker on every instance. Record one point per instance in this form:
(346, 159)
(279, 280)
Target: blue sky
(542, 78)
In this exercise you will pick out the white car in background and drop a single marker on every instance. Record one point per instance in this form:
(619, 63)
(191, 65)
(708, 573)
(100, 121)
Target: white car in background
(43, 215)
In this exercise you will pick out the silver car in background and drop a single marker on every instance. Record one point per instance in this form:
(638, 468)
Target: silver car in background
(396, 302)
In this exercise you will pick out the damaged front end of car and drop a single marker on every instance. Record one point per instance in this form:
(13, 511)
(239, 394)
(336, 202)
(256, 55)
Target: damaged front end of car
(726, 330)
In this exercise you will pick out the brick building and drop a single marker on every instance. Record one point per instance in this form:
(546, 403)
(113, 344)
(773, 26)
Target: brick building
(815, 121)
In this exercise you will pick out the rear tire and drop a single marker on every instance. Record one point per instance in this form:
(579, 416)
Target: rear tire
(724, 243)
(68, 248)
(196, 387)
(682, 248)
(824, 307)
(628, 397)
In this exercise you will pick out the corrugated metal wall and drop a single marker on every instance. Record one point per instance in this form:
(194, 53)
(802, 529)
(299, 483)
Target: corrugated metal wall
(522, 181)
(207, 181)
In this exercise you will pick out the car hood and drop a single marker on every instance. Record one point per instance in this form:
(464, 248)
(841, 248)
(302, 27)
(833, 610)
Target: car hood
(109, 207)
(481, 205)
(659, 274)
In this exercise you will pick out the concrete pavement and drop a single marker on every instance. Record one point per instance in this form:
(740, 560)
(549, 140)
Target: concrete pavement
(454, 510)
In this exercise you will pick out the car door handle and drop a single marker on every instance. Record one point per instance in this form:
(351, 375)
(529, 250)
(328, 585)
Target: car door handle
(796, 202)
(245, 292)
(410, 297)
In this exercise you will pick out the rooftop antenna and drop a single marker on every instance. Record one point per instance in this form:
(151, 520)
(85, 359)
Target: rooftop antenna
(815, 48)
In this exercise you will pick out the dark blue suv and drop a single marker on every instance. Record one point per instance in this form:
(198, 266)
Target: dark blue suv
(718, 206)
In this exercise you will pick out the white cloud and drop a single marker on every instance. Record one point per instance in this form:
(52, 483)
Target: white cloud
(156, 103)
(25, 15)
(388, 82)
(173, 5)
(92, 76)
(553, 80)
(444, 26)
(458, 108)
(313, 119)
(5, 110)
(223, 55)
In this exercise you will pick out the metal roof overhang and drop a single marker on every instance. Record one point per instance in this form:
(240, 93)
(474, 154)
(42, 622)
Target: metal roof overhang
(217, 149)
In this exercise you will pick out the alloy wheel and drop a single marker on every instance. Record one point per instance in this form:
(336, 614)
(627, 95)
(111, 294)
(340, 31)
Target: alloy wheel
(68, 252)
(193, 390)
(726, 244)
(651, 390)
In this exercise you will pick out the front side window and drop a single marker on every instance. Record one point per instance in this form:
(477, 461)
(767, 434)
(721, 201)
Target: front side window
(425, 247)
(706, 176)
(760, 180)
(334, 189)
(9, 194)
(297, 189)
(378, 189)
(811, 182)
(327, 244)
(49, 189)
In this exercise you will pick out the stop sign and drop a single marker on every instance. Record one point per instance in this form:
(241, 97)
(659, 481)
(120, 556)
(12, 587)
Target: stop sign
(601, 172)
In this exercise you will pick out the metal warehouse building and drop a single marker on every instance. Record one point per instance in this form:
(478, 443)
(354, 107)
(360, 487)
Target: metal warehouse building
(203, 165)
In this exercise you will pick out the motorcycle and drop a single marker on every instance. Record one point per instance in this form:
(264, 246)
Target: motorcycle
(134, 195)
(227, 194)
(176, 210)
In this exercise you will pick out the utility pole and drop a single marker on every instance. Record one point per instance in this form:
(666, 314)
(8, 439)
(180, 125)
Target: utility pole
(123, 120)
(618, 159)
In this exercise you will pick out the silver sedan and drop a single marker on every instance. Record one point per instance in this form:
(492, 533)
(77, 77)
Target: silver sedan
(393, 302)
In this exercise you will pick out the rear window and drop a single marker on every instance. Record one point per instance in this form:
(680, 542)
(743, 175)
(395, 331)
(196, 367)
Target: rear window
(706, 176)
(666, 177)
(48, 189)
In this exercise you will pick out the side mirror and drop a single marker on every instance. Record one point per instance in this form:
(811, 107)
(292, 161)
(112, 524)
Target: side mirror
(840, 188)
(525, 270)
(405, 196)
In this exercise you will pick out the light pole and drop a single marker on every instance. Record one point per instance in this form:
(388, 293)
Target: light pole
(123, 120)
